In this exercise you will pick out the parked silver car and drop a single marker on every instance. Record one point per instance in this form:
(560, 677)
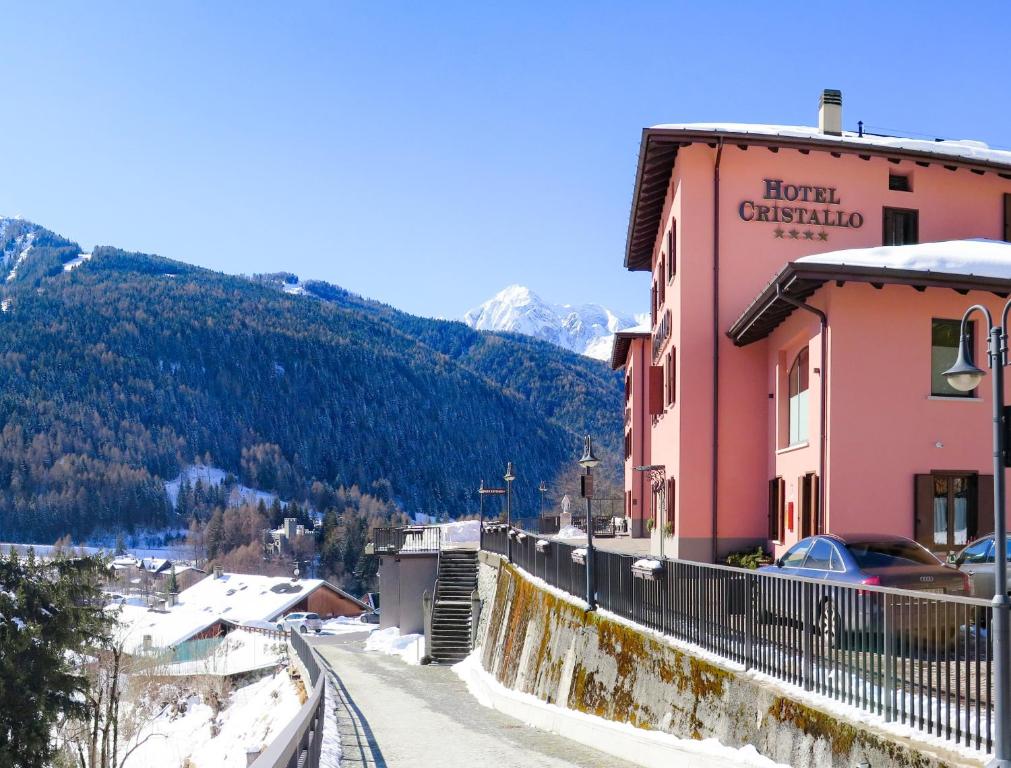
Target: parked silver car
(301, 622)
(977, 561)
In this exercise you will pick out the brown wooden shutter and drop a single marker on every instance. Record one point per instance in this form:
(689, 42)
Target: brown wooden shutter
(1007, 217)
(671, 488)
(923, 509)
(655, 390)
(774, 509)
(984, 507)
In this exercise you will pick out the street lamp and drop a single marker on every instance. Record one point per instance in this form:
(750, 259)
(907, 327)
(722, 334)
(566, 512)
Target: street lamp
(964, 376)
(588, 461)
(542, 489)
(480, 530)
(658, 484)
(509, 477)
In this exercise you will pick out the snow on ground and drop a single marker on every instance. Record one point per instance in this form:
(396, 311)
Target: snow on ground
(75, 263)
(462, 532)
(570, 532)
(239, 651)
(214, 476)
(345, 624)
(647, 748)
(252, 717)
(411, 648)
(330, 750)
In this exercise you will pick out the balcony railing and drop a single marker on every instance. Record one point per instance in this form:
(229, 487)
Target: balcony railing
(412, 538)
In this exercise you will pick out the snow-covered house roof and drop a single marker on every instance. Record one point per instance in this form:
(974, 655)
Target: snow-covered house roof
(963, 265)
(622, 342)
(660, 144)
(237, 597)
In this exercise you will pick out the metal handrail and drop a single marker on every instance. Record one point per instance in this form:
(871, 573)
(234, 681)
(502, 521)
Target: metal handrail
(299, 744)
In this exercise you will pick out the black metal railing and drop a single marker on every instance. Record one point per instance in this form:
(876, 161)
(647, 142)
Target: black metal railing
(602, 526)
(413, 538)
(300, 743)
(915, 658)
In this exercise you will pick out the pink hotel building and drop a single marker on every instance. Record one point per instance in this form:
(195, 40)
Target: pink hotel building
(807, 285)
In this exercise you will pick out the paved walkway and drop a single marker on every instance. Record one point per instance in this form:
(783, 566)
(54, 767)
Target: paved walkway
(401, 716)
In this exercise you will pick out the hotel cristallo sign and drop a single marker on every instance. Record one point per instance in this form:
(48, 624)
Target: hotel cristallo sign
(797, 208)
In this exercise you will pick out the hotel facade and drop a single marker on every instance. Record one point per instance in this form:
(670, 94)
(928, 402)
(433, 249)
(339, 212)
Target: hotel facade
(807, 286)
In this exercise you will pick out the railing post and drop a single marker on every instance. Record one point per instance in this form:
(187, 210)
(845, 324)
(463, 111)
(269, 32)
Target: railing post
(750, 583)
(889, 658)
(807, 642)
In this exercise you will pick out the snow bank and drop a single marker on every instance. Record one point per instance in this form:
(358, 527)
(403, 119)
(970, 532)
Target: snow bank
(570, 532)
(346, 624)
(648, 748)
(253, 716)
(411, 648)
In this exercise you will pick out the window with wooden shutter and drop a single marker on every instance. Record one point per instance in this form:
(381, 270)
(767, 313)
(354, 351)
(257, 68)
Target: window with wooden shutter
(923, 508)
(984, 507)
(655, 390)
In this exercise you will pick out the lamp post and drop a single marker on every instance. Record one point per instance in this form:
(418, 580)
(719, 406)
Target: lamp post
(965, 376)
(509, 477)
(480, 530)
(588, 461)
(542, 489)
(658, 483)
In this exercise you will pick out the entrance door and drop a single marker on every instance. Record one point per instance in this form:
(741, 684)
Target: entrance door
(808, 493)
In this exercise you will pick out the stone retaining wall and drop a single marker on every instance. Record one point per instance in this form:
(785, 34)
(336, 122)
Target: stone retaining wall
(537, 642)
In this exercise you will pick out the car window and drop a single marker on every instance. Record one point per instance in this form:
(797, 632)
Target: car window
(819, 556)
(311, 616)
(882, 554)
(836, 563)
(980, 552)
(795, 557)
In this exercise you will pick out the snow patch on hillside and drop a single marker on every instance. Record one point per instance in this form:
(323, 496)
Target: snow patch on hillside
(214, 476)
(75, 263)
(584, 328)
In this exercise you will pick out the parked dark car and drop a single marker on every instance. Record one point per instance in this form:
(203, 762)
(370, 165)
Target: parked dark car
(977, 562)
(369, 617)
(871, 560)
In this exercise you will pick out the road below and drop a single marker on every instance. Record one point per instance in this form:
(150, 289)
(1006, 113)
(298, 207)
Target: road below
(392, 714)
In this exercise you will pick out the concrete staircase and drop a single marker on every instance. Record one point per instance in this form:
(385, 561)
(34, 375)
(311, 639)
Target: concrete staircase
(451, 611)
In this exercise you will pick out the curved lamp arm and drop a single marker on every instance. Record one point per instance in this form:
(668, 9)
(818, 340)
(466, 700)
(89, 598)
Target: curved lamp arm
(989, 324)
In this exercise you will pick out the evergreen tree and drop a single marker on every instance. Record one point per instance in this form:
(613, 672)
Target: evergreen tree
(52, 613)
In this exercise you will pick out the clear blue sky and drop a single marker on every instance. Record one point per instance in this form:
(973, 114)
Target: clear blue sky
(428, 154)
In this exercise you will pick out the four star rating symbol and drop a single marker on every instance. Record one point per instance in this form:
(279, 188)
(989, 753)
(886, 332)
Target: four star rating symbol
(796, 234)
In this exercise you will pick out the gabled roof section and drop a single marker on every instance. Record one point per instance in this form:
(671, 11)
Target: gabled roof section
(622, 342)
(960, 265)
(660, 144)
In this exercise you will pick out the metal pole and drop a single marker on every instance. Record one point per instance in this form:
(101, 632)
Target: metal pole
(591, 591)
(1001, 604)
(509, 521)
(480, 530)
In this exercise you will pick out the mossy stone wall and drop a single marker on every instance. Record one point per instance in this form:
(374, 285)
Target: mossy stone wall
(536, 642)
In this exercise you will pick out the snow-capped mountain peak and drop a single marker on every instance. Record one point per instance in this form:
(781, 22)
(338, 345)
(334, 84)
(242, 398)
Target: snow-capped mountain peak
(583, 328)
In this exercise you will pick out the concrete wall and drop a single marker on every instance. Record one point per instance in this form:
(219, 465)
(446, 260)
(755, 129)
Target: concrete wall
(403, 579)
(537, 643)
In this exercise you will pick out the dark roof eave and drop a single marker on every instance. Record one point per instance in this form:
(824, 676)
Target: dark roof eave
(799, 281)
(621, 345)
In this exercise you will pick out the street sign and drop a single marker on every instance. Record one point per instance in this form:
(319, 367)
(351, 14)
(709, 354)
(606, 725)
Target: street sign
(492, 491)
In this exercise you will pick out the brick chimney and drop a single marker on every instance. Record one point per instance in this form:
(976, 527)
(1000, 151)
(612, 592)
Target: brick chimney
(830, 112)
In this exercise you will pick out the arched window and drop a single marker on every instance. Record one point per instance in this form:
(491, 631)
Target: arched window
(798, 398)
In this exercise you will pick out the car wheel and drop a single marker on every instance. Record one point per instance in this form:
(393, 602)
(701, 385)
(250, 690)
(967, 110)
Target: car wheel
(302, 629)
(280, 628)
(829, 625)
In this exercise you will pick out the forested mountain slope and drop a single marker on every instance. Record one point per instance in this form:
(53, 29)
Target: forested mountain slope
(119, 371)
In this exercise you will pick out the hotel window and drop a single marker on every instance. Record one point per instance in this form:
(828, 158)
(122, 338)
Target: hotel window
(952, 508)
(901, 226)
(661, 285)
(798, 409)
(899, 182)
(672, 262)
(943, 350)
(652, 305)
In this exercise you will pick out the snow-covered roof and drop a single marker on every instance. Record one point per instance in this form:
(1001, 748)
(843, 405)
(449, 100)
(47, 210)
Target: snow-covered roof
(962, 149)
(659, 149)
(979, 258)
(963, 265)
(237, 597)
